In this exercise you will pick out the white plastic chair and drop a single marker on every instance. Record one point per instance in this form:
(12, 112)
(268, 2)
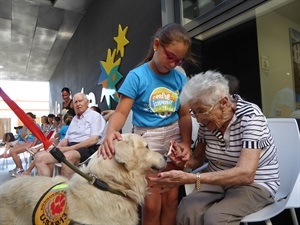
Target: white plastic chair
(286, 135)
(294, 201)
(287, 139)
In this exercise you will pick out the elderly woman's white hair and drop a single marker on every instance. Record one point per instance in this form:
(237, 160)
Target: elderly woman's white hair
(208, 88)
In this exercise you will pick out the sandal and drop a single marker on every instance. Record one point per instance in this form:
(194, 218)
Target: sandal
(4, 155)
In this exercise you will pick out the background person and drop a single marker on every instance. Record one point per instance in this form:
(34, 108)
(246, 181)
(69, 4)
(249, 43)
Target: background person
(234, 136)
(61, 133)
(45, 126)
(6, 140)
(152, 92)
(233, 83)
(96, 108)
(30, 141)
(67, 105)
(11, 144)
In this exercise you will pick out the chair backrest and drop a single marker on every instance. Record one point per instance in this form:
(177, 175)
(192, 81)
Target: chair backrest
(287, 139)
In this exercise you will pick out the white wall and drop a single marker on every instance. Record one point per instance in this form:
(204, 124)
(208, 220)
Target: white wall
(29, 96)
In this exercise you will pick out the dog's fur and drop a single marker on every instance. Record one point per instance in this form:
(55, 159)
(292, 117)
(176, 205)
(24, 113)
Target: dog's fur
(87, 204)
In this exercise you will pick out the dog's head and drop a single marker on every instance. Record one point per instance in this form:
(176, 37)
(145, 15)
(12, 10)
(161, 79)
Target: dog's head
(128, 169)
(133, 153)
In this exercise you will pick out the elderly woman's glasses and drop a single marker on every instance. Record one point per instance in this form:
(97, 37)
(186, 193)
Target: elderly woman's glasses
(203, 114)
(171, 57)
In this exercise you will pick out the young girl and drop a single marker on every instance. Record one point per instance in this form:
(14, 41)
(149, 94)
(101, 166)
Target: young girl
(61, 133)
(30, 141)
(152, 91)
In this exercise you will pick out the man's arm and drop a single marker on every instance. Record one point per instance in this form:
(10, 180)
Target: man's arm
(87, 143)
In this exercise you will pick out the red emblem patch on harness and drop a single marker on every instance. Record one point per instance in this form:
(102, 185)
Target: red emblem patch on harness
(52, 207)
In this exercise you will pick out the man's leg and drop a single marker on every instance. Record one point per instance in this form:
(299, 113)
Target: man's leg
(73, 157)
(43, 161)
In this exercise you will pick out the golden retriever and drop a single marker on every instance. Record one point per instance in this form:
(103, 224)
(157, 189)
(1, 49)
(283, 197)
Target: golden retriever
(86, 204)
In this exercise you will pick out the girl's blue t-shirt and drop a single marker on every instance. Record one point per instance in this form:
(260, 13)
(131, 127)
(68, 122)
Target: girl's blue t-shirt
(156, 97)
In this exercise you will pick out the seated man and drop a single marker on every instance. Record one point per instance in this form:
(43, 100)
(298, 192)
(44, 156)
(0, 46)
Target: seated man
(82, 139)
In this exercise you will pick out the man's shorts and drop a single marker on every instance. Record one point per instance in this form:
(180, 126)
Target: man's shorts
(85, 152)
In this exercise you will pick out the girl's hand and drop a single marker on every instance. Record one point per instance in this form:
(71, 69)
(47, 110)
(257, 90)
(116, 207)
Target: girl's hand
(106, 149)
(192, 163)
(180, 153)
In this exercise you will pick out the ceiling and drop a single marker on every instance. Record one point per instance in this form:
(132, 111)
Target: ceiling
(34, 35)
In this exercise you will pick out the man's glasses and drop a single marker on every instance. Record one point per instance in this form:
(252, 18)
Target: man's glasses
(171, 57)
(203, 114)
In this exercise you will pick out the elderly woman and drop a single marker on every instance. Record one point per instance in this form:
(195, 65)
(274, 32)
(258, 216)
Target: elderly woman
(242, 175)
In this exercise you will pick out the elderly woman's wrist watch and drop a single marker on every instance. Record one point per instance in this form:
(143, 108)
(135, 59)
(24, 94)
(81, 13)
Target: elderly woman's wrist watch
(198, 182)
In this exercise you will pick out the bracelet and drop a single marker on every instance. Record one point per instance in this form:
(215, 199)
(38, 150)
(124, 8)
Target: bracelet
(198, 183)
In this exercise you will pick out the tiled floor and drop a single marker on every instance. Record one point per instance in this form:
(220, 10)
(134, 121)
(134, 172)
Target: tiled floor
(7, 164)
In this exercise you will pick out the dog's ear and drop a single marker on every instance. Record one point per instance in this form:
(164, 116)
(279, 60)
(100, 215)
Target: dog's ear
(124, 153)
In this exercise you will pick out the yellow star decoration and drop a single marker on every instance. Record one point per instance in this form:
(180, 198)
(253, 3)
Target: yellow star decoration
(121, 40)
(109, 64)
(110, 75)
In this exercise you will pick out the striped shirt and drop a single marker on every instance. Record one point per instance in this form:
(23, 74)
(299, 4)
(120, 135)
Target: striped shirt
(247, 129)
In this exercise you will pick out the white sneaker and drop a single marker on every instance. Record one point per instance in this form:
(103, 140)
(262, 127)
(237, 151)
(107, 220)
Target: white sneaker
(17, 173)
(13, 170)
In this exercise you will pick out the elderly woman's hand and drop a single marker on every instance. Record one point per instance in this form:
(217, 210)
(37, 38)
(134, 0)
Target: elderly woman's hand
(170, 179)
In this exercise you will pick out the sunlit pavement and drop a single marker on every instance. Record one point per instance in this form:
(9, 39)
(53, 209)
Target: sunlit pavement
(7, 164)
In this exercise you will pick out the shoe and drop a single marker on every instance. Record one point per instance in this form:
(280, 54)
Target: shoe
(17, 173)
(13, 170)
(4, 155)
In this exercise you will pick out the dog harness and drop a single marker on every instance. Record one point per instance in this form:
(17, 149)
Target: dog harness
(51, 208)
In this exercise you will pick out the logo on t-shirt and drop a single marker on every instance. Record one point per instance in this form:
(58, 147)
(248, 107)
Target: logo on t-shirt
(163, 101)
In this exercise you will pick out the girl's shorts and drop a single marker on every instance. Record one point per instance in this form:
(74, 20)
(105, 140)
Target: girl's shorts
(159, 138)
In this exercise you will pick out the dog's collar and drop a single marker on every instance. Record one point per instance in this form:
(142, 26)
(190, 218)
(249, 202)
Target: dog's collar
(103, 185)
(92, 179)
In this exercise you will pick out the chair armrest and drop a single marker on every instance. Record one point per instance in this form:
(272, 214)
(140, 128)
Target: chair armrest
(201, 168)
